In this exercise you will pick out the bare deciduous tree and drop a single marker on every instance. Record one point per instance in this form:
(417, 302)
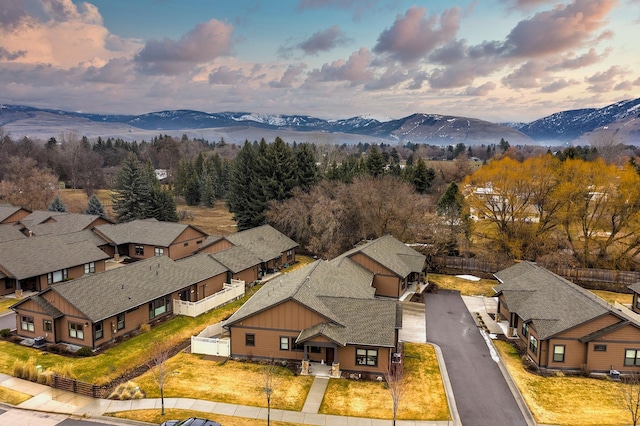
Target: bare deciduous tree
(26, 185)
(396, 384)
(630, 396)
(159, 353)
(270, 382)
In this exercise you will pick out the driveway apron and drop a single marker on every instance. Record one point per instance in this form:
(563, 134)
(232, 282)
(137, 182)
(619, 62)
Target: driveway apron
(481, 391)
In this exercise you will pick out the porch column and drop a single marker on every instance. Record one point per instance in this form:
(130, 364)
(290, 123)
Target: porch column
(335, 354)
(306, 357)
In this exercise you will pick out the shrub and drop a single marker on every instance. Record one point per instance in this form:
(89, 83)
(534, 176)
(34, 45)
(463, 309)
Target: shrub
(126, 391)
(26, 369)
(145, 327)
(63, 370)
(5, 332)
(84, 351)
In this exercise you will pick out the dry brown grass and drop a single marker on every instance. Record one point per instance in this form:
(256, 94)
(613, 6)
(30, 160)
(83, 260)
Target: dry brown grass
(13, 397)
(5, 302)
(424, 399)
(483, 287)
(611, 297)
(565, 400)
(232, 382)
(153, 416)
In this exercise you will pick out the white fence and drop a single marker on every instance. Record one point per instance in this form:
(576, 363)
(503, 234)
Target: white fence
(205, 345)
(230, 292)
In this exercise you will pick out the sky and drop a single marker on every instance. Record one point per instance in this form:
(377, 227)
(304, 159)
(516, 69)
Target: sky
(496, 60)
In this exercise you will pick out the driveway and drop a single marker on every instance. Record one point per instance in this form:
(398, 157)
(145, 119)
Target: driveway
(481, 391)
(8, 320)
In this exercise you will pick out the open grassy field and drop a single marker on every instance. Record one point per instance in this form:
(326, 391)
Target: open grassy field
(424, 397)
(563, 400)
(483, 287)
(153, 416)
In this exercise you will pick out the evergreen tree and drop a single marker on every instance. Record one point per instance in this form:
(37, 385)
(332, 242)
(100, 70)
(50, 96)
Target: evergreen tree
(306, 168)
(132, 191)
(244, 198)
(163, 205)
(95, 207)
(375, 162)
(422, 176)
(57, 205)
(451, 206)
(276, 171)
(207, 186)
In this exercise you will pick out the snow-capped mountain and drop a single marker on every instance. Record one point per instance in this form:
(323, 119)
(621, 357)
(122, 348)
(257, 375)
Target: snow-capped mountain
(622, 120)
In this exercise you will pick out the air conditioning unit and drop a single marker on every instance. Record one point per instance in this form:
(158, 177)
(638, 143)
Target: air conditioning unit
(38, 342)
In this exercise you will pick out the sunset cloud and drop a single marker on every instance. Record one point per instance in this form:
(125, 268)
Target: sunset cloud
(323, 41)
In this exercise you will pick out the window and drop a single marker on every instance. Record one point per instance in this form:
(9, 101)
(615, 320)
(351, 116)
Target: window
(637, 302)
(139, 250)
(368, 357)
(120, 321)
(315, 349)
(631, 357)
(558, 353)
(57, 276)
(297, 346)
(533, 344)
(158, 251)
(90, 268)
(76, 331)
(47, 325)
(98, 331)
(199, 242)
(289, 254)
(284, 343)
(525, 329)
(600, 348)
(26, 323)
(8, 283)
(249, 339)
(159, 307)
(186, 244)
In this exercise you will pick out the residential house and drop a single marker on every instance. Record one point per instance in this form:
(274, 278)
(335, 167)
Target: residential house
(273, 248)
(12, 214)
(10, 232)
(394, 264)
(141, 239)
(37, 262)
(324, 312)
(55, 223)
(563, 326)
(99, 308)
(243, 264)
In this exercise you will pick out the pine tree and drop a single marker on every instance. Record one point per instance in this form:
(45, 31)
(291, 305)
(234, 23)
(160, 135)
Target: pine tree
(243, 198)
(207, 186)
(276, 170)
(95, 207)
(305, 165)
(422, 176)
(375, 162)
(163, 205)
(57, 205)
(132, 191)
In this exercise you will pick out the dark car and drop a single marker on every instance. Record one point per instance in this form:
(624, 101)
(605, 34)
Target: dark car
(191, 421)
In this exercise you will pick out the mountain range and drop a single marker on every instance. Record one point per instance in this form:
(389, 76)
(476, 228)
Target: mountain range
(619, 122)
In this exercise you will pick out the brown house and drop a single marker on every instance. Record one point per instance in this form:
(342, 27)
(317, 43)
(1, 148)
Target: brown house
(273, 248)
(394, 264)
(37, 262)
(42, 222)
(12, 214)
(141, 239)
(324, 312)
(242, 264)
(96, 309)
(564, 326)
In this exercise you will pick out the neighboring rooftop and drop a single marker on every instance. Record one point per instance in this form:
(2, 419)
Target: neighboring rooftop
(147, 231)
(264, 241)
(63, 224)
(6, 210)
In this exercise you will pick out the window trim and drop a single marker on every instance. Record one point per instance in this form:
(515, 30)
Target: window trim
(525, 329)
(52, 279)
(561, 356)
(158, 251)
(98, 330)
(599, 348)
(27, 324)
(156, 310)
(90, 268)
(635, 361)
(366, 357)
(138, 250)
(120, 324)
(47, 325)
(249, 339)
(285, 345)
(533, 344)
(76, 330)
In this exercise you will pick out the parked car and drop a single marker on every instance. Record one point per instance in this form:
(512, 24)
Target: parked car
(191, 421)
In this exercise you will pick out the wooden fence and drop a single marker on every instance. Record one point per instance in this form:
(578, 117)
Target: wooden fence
(584, 275)
(76, 386)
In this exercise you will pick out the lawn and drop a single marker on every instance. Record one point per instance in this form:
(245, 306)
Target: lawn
(153, 416)
(484, 287)
(12, 397)
(611, 297)
(424, 397)
(5, 302)
(231, 382)
(564, 400)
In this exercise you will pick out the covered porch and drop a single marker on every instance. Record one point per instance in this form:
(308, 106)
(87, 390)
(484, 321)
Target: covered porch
(320, 359)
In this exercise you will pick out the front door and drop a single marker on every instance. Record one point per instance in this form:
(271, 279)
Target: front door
(329, 356)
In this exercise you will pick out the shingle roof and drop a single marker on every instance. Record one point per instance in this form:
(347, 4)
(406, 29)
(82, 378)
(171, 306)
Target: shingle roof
(635, 287)
(63, 224)
(105, 294)
(38, 216)
(265, 241)
(392, 254)
(6, 210)
(35, 256)
(10, 232)
(237, 259)
(338, 290)
(550, 301)
(46, 306)
(147, 231)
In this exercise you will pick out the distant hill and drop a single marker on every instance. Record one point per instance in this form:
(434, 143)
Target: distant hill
(621, 120)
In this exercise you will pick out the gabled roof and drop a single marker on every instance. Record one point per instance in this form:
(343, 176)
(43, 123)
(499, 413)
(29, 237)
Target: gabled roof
(340, 291)
(551, 302)
(63, 224)
(392, 254)
(105, 294)
(237, 258)
(635, 287)
(10, 232)
(39, 216)
(6, 210)
(264, 241)
(35, 256)
(148, 231)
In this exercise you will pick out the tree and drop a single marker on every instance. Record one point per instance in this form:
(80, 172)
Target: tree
(630, 396)
(277, 171)
(305, 166)
(270, 382)
(159, 354)
(132, 191)
(57, 205)
(452, 207)
(23, 183)
(396, 384)
(375, 162)
(95, 207)
(245, 199)
(421, 176)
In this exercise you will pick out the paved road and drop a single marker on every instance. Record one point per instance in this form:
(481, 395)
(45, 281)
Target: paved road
(37, 418)
(481, 392)
(8, 320)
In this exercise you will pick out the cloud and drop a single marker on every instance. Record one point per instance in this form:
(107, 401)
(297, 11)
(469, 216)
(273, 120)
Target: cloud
(116, 71)
(557, 85)
(413, 36)
(226, 76)
(525, 4)
(10, 56)
(482, 90)
(359, 7)
(562, 28)
(572, 62)
(354, 70)
(207, 41)
(602, 82)
(390, 78)
(324, 40)
(527, 76)
(290, 76)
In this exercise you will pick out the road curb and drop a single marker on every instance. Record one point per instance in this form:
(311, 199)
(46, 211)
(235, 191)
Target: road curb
(448, 390)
